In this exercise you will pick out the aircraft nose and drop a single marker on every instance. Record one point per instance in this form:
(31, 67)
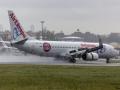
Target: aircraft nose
(116, 52)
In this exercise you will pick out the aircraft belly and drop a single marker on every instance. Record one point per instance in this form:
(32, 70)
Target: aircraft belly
(52, 52)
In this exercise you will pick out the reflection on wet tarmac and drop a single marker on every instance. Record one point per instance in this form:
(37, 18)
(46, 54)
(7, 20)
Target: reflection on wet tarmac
(27, 59)
(33, 59)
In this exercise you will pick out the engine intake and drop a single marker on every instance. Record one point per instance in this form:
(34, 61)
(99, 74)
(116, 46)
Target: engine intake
(90, 57)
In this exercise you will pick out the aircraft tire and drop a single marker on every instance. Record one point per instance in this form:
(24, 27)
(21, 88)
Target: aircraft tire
(73, 60)
(107, 60)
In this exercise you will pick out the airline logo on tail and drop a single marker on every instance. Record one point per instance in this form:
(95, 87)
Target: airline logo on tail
(17, 31)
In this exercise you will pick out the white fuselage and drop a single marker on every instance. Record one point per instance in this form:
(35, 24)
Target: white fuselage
(90, 51)
(62, 48)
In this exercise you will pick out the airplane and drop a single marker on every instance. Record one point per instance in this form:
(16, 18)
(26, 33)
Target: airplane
(69, 50)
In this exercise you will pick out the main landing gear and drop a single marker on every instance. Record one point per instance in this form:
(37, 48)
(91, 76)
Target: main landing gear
(107, 60)
(72, 60)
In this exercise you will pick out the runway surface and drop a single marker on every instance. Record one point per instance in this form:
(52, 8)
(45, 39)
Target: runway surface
(32, 59)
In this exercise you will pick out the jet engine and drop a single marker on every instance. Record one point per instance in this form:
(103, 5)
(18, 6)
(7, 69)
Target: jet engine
(90, 56)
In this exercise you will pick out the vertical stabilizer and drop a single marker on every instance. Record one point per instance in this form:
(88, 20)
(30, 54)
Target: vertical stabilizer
(17, 32)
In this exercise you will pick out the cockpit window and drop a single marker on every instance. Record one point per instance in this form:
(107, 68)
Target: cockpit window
(102, 50)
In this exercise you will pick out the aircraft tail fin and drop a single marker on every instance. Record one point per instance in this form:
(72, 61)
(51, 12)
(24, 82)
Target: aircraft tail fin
(17, 32)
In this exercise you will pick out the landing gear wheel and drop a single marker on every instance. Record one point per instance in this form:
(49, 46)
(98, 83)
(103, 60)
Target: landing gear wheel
(107, 60)
(73, 60)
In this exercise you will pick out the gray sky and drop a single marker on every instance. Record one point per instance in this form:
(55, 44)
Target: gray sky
(96, 16)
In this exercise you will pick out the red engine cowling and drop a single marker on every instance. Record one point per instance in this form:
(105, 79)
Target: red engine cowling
(90, 57)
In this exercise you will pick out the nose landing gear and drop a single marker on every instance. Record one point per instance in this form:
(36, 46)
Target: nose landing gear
(107, 60)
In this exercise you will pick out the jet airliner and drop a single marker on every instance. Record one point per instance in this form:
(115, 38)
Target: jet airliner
(69, 50)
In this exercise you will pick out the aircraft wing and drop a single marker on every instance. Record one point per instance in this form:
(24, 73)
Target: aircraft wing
(82, 51)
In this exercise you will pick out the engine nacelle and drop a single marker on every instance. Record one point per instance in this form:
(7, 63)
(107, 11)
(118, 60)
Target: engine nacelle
(90, 57)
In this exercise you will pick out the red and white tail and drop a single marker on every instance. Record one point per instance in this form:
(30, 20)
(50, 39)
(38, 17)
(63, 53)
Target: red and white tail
(17, 31)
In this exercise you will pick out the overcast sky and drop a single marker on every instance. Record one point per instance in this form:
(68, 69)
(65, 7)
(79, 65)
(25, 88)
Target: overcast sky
(96, 16)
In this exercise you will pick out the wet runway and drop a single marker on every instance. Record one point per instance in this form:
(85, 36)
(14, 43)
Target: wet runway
(27, 59)
(33, 59)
